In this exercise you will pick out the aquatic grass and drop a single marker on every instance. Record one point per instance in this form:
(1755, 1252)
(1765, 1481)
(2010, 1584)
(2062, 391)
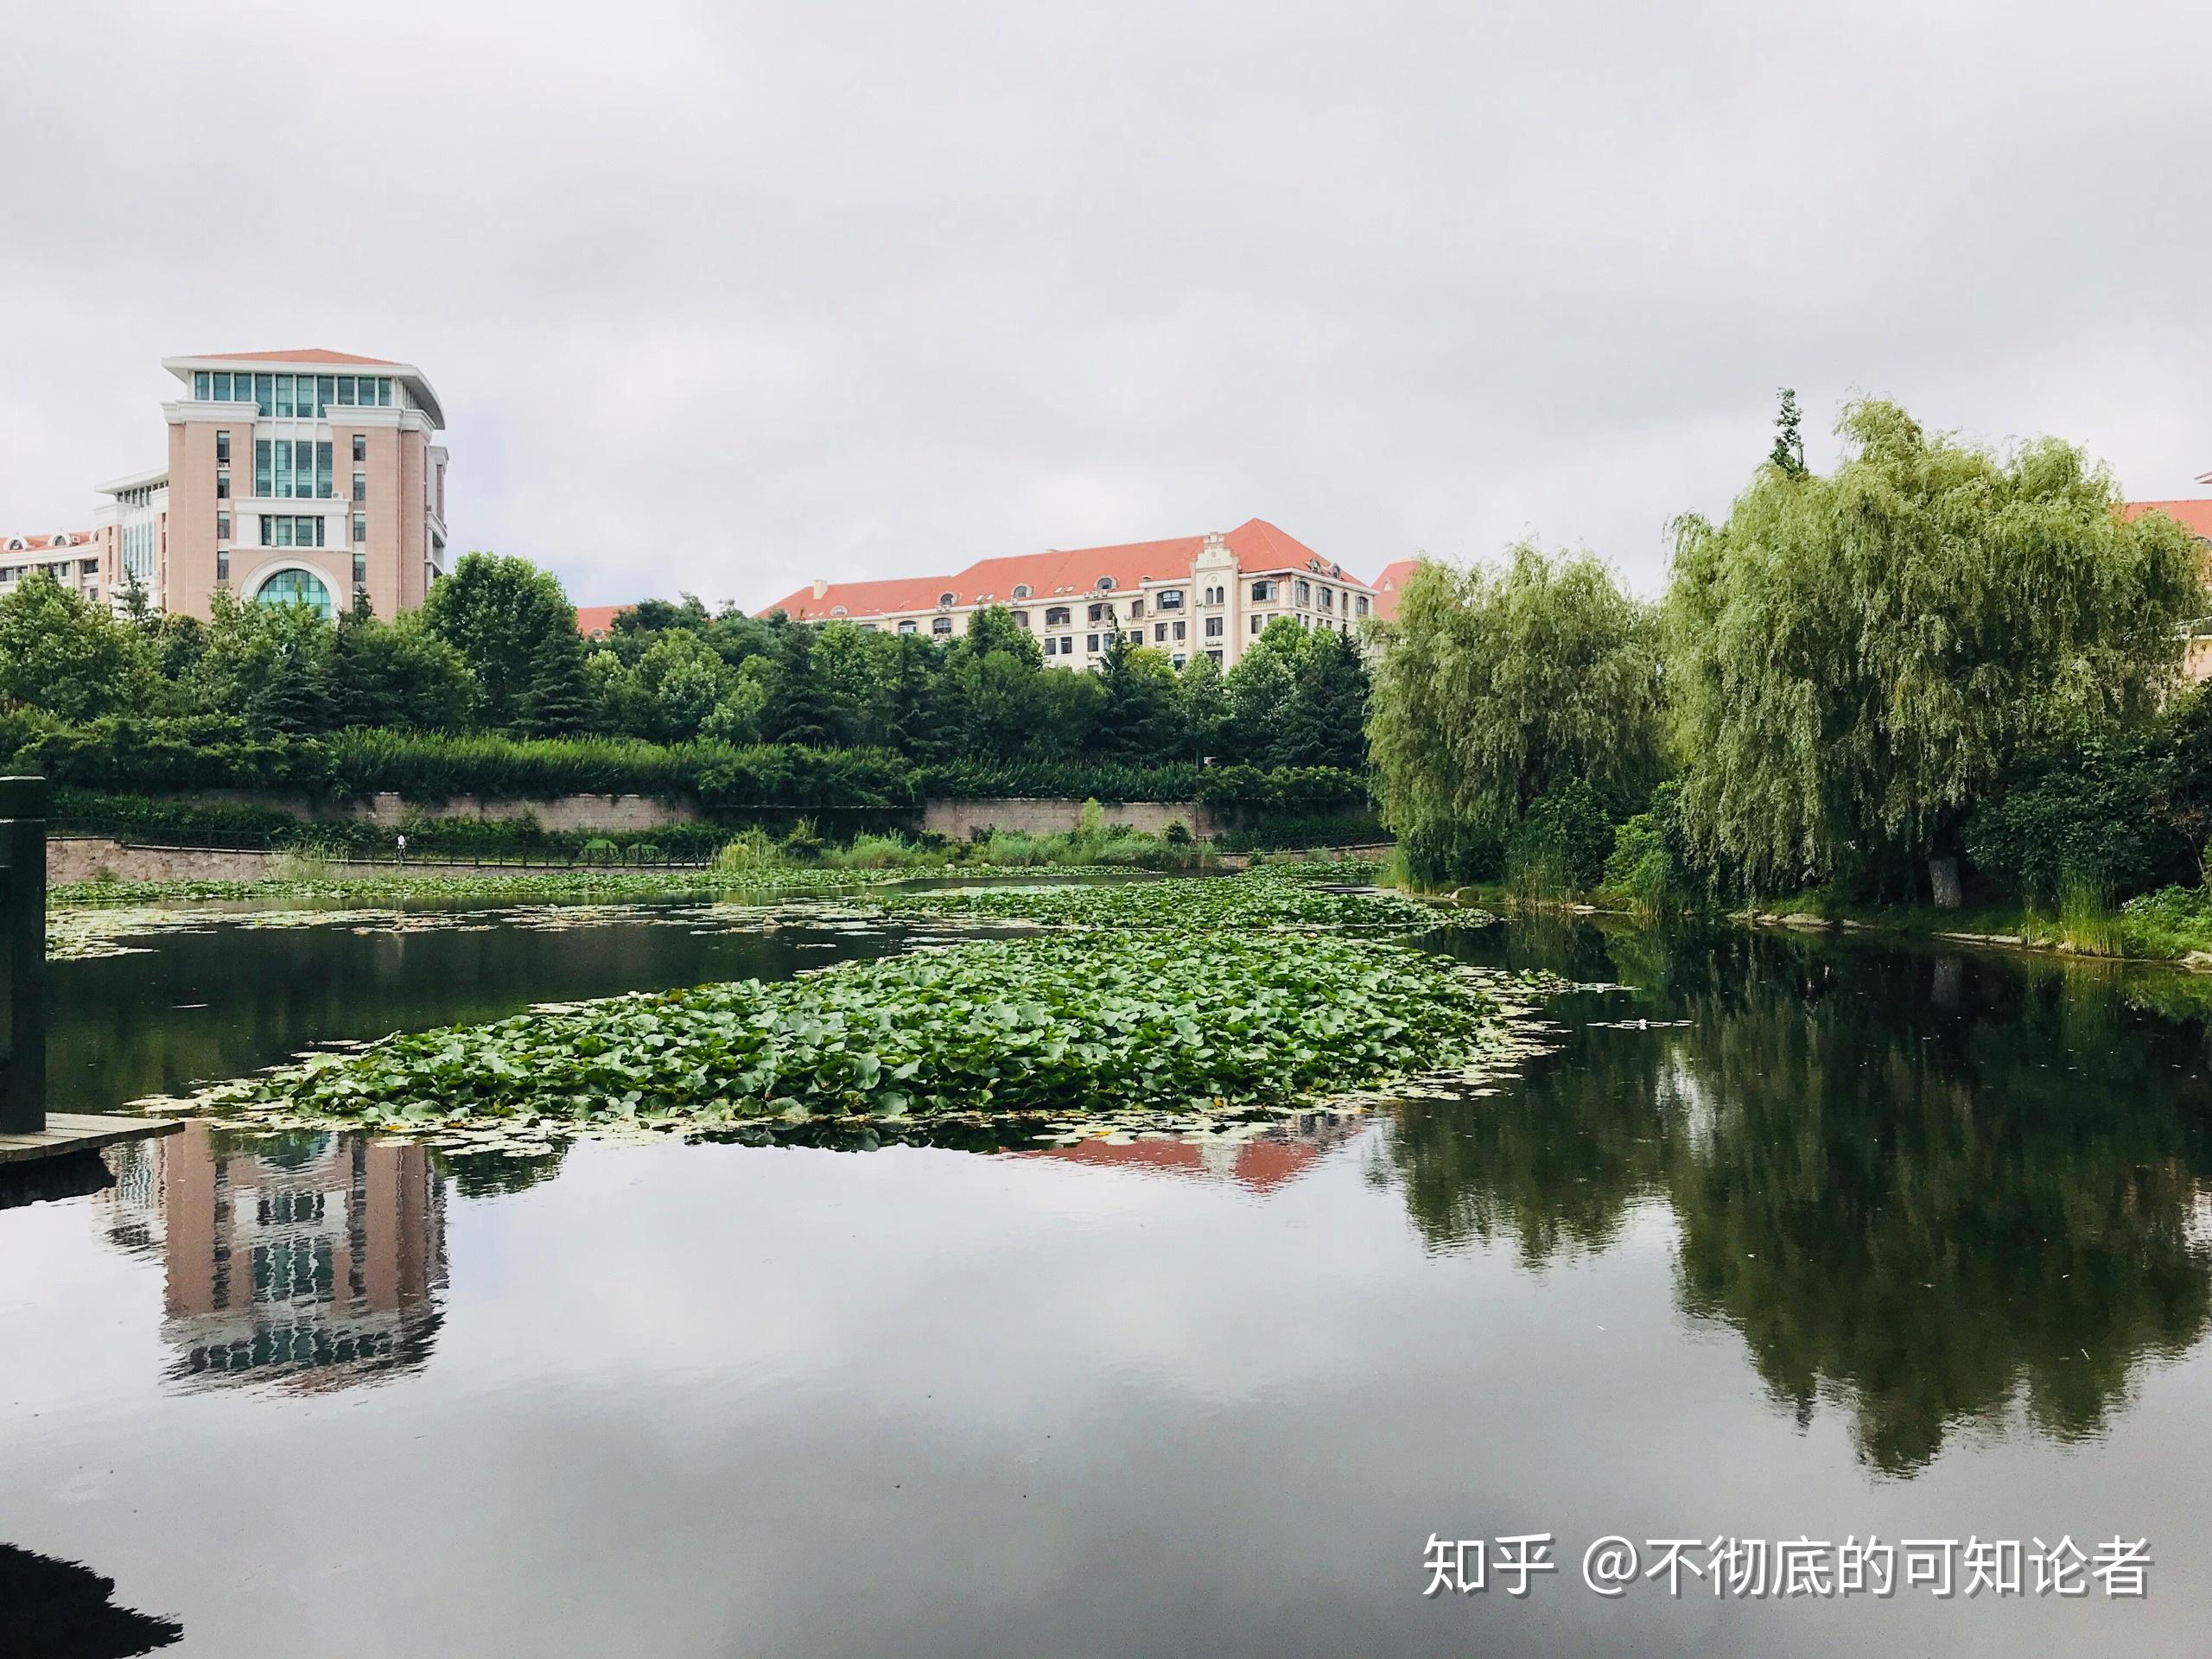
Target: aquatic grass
(1262, 898)
(1079, 1023)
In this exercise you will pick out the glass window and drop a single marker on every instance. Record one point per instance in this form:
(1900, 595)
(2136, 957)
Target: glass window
(284, 394)
(1090, 642)
(322, 470)
(325, 392)
(222, 564)
(265, 393)
(907, 627)
(360, 527)
(360, 486)
(1213, 628)
(1096, 611)
(1305, 592)
(1258, 623)
(1105, 584)
(1328, 599)
(361, 569)
(284, 466)
(360, 445)
(200, 385)
(1215, 655)
(1182, 630)
(345, 389)
(1171, 599)
(268, 531)
(296, 587)
(222, 483)
(1362, 604)
(1263, 592)
(1136, 607)
(383, 391)
(284, 531)
(262, 487)
(223, 523)
(942, 624)
(220, 390)
(1021, 590)
(945, 599)
(222, 446)
(1020, 619)
(1159, 633)
(1056, 616)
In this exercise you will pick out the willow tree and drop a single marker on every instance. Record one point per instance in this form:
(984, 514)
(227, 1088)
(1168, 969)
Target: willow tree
(1496, 687)
(1855, 658)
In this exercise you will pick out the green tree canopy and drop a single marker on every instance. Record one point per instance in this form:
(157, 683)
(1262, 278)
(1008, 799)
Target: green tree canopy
(1497, 688)
(502, 614)
(70, 659)
(1854, 657)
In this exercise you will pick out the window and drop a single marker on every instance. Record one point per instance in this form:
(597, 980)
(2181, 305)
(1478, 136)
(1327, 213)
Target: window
(284, 530)
(1051, 644)
(907, 627)
(345, 389)
(1213, 628)
(945, 601)
(1021, 590)
(219, 391)
(263, 489)
(1216, 656)
(284, 394)
(1105, 584)
(222, 564)
(360, 528)
(1091, 643)
(941, 626)
(1178, 660)
(838, 610)
(383, 391)
(1020, 619)
(296, 587)
(360, 486)
(361, 570)
(1305, 591)
(1136, 636)
(199, 385)
(265, 390)
(222, 449)
(1263, 592)
(222, 483)
(1362, 604)
(1169, 598)
(1159, 633)
(222, 523)
(325, 392)
(1182, 630)
(1259, 623)
(322, 472)
(283, 448)
(1136, 607)
(1328, 599)
(1056, 616)
(360, 448)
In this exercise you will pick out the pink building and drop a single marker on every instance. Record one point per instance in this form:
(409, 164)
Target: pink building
(303, 475)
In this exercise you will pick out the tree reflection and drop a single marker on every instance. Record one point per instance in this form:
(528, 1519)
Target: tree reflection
(1934, 1192)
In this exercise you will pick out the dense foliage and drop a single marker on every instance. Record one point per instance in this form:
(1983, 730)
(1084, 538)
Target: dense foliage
(1500, 689)
(1858, 659)
(494, 652)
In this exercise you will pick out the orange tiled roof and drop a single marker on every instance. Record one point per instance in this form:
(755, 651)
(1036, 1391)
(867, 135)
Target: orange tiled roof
(43, 544)
(1069, 574)
(2190, 515)
(594, 620)
(308, 355)
(1389, 585)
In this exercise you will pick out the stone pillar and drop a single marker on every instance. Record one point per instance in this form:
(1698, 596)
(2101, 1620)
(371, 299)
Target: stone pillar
(22, 951)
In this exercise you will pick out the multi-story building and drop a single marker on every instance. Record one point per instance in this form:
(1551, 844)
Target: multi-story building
(306, 476)
(76, 558)
(1213, 594)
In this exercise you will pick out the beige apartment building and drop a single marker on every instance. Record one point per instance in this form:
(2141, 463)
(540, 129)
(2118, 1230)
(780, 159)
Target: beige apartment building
(1213, 594)
(301, 476)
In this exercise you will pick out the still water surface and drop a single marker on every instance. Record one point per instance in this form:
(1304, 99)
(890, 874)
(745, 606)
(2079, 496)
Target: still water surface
(1876, 1241)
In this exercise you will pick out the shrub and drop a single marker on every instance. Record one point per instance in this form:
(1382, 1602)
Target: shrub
(2096, 817)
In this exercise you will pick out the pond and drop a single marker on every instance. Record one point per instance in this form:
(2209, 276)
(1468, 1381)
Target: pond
(1785, 1240)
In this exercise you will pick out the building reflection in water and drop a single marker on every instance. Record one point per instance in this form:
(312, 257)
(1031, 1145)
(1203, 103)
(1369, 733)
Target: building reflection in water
(1261, 1163)
(314, 1261)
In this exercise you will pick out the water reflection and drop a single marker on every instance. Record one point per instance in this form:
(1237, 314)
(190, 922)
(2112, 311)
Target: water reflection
(1938, 1193)
(63, 1610)
(316, 1260)
(1259, 1163)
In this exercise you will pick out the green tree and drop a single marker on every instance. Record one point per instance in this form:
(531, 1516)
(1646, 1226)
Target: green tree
(1137, 719)
(1202, 708)
(68, 658)
(1325, 722)
(1788, 451)
(1498, 688)
(397, 674)
(796, 712)
(684, 681)
(1260, 687)
(502, 614)
(559, 701)
(1855, 658)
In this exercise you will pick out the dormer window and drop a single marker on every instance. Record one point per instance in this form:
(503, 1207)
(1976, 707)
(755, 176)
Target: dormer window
(1021, 590)
(945, 601)
(1105, 584)
(837, 610)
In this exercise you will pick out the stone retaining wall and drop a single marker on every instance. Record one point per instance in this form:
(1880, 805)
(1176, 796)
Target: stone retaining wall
(87, 858)
(595, 813)
(964, 820)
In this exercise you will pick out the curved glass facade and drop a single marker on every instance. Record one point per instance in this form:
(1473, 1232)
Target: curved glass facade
(296, 587)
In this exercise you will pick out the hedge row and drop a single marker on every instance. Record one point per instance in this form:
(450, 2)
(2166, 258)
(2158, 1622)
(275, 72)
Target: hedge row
(121, 754)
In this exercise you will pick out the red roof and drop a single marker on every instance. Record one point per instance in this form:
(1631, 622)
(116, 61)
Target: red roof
(41, 544)
(1389, 585)
(1257, 1165)
(2190, 515)
(1070, 574)
(308, 355)
(595, 621)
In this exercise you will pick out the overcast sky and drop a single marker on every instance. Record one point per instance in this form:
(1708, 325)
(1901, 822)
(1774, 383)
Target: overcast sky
(722, 297)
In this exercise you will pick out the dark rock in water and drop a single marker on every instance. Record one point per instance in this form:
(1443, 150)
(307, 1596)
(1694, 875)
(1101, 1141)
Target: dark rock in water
(71, 1176)
(60, 1609)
